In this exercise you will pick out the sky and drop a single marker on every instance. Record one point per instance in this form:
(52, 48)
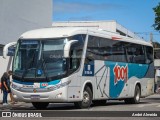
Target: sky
(135, 15)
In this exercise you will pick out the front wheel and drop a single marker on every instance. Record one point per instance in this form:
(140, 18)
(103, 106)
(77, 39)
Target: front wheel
(87, 99)
(40, 105)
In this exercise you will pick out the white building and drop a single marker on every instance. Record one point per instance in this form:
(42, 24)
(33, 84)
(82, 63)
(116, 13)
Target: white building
(19, 16)
(111, 25)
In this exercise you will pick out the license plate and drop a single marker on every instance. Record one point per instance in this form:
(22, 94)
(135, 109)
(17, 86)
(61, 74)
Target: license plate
(35, 97)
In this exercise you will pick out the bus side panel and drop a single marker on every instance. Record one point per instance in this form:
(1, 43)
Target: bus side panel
(123, 78)
(74, 88)
(101, 80)
(74, 93)
(147, 87)
(98, 74)
(150, 81)
(146, 81)
(128, 90)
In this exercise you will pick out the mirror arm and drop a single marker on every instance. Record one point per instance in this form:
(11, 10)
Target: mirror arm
(67, 47)
(5, 49)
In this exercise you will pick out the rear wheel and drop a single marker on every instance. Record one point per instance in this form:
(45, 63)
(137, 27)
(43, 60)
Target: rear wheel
(40, 105)
(87, 99)
(136, 98)
(137, 95)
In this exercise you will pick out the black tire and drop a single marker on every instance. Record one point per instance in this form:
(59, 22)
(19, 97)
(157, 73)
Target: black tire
(40, 105)
(87, 99)
(99, 102)
(137, 95)
(136, 98)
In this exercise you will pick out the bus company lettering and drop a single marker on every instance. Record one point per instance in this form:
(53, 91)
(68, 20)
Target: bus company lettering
(120, 73)
(44, 84)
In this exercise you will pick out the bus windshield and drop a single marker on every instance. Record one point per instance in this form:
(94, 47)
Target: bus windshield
(39, 58)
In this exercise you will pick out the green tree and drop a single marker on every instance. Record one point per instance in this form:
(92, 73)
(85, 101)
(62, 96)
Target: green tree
(156, 44)
(156, 25)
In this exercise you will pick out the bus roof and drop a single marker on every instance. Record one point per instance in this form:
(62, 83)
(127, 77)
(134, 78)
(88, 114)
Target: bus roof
(60, 32)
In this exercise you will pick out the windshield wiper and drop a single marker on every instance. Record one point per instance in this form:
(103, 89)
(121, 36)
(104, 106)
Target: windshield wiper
(33, 59)
(44, 68)
(24, 74)
(28, 68)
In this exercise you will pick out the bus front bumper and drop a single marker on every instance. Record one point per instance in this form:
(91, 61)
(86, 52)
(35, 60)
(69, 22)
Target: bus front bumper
(59, 95)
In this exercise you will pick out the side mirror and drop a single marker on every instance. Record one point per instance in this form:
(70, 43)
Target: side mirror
(5, 49)
(67, 48)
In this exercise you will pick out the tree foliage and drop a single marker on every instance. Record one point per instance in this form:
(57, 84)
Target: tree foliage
(156, 45)
(156, 25)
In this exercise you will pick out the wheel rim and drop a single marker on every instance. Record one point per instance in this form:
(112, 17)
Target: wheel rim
(86, 97)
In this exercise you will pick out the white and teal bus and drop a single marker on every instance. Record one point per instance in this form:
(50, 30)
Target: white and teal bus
(80, 65)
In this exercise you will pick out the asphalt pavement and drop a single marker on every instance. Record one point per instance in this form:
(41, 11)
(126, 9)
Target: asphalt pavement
(114, 108)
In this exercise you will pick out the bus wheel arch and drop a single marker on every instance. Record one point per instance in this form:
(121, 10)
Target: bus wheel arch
(90, 86)
(136, 95)
(87, 96)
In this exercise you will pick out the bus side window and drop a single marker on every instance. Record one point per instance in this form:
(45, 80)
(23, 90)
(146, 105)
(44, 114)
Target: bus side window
(74, 61)
(149, 54)
(75, 56)
(92, 50)
(89, 56)
(76, 52)
(136, 53)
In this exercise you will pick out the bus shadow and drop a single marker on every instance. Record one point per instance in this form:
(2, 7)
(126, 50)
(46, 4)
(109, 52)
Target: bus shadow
(62, 106)
(156, 99)
(110, 103)
(70, 106)
(50, 107)
(119, 103)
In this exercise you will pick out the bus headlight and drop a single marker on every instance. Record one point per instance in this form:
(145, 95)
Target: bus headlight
(55, 87)
(14, 86)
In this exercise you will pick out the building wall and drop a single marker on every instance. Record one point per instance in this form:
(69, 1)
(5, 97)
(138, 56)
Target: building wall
(19, 16)
(110, 25)
(105, 25)
(157, 62)
(157, 72)
(4, 65)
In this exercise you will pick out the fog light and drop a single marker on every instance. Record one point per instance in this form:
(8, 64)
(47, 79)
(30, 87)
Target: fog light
(59, 95)
(15, 96)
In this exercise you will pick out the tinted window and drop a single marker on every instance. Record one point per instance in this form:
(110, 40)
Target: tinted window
(118, 52)
(80, 38)
(76, 51)
(135, 53)
(149, 54)
(105, 49)
(113, 50)
(93, 49)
